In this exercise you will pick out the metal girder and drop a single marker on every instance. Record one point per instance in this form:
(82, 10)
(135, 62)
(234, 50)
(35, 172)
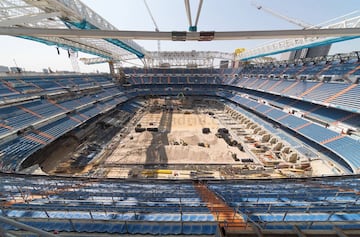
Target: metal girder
(80, 44)
(203, 63)
(192, 54)
(184, 58)
(89, 61)
(52, 14)
(75, 10)
(174, 58)
(26, 19)
(151, 35)
(350, 23)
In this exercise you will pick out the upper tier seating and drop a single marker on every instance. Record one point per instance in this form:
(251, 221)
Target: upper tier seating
(338, 95)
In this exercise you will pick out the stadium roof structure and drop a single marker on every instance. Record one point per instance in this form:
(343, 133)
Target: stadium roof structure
(74, 26)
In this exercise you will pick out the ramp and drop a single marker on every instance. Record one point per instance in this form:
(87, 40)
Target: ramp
(226, 216)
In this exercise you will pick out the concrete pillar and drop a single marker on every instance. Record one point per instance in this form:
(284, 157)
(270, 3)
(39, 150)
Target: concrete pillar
(111, 68)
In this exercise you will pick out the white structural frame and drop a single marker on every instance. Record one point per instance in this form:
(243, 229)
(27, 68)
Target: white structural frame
(44, 19)
(186, 58)
(351, 23)
(49, 14)
(188, 36)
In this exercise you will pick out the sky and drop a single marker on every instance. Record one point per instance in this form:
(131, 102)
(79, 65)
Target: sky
(170, 15)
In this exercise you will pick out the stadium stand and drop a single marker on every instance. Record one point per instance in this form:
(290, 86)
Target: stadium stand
(36, 111)
(280, 204)
(306, 97)
(109, 206)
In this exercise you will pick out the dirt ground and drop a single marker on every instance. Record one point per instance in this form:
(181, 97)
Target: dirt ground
(176, 142)
(179, 145)
(54, 158)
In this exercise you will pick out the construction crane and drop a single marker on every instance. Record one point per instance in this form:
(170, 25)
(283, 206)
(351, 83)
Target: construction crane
(288, 19)
(153, 20)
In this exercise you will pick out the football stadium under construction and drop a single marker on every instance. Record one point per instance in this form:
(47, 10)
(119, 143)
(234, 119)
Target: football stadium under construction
(257, 146)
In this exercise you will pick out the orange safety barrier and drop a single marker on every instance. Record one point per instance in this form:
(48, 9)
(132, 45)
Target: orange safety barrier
(267, 111)
(283, 71)
(43, 134)
(301, 70)
(7, 85)
(311, 89)
(61, 86)
(313, 109)
(57, 105)
(247, 80)
(290, 87)
(84, 116)
(75, 119)
(346, 118)
(29, 111)
(5, 126)
(30, 196)
(271, 71)
(332, 139)
(275, 85)
(340, 93)
(253, 83)
(29, 137)
(353, 71)
(258, 105)
(33, 84)
(323, 70)
(302, 126)
(263, 84)
(284, 116)
(226, 216)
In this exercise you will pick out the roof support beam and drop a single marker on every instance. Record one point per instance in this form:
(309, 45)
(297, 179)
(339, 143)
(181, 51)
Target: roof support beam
(151, 35)
(28, 19)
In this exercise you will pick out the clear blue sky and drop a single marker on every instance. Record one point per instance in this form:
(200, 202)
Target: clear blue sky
(217, 15)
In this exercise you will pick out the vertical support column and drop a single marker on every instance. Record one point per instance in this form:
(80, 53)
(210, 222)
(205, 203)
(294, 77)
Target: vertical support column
(111, 68)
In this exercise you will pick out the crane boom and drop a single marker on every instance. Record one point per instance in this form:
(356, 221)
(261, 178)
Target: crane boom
(153, 20)
(288, 19)
(151, 15)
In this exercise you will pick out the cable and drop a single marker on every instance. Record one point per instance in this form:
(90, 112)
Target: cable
(188, 12)
(152, 17)
(198, 13)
